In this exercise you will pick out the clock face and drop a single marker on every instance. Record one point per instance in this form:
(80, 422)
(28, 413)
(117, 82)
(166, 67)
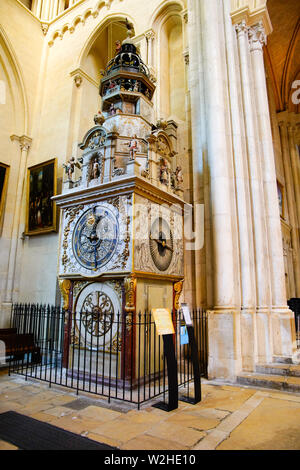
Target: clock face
(96, 310)
(161, 244)
(95, 237)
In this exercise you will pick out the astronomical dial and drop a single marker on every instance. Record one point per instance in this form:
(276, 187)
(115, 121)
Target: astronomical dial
(96, 310)
(95, 237)
(161, 244)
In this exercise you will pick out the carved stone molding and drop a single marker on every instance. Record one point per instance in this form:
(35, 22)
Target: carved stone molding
(45, 27)
(185, 16)
(186, 56)
(24, 141)
(78, 80)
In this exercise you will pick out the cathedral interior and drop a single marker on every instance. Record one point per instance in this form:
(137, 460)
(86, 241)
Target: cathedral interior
(150, 156)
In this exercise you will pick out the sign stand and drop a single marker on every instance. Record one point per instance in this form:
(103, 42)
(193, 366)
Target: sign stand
(194, 352)
(169, 352)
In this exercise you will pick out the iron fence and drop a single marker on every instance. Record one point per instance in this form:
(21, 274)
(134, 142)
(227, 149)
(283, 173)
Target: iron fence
(118, 357)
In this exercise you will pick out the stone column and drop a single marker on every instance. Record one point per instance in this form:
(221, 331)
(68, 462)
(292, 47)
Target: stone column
(243, 197)
(290, 199)
(45, 15)
(262, 270)
(224, 319)
(295, 173)
(199, 189)
(281, 316)
(150, 36)
(24, 143)
(54, 12)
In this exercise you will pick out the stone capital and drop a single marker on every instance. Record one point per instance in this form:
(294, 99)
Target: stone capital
(242, 28)
(257, 37)
(150, 35)
(24, 141)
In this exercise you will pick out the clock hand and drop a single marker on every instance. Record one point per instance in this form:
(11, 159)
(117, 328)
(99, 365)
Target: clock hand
(161, 242)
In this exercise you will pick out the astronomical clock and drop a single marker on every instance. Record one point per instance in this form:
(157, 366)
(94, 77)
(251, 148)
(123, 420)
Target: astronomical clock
(121, 232)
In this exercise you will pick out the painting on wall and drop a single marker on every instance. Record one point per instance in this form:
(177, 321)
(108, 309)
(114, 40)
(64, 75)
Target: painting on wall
(41, 210)
(280, 199)
(3, 185)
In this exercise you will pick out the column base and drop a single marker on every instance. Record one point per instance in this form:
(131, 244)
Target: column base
(284, 334)
(224, 360)
(5, 314)
(248, 339)
(264, 335)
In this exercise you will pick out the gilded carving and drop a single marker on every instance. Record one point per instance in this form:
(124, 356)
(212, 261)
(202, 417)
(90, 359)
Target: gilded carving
(130, 286)
(65, 288)
(178, 286)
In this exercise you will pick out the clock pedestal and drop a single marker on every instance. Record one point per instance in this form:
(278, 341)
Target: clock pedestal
(121, 231)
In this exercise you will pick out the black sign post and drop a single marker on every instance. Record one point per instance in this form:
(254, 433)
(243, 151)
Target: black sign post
(169, 352)
(195, 359)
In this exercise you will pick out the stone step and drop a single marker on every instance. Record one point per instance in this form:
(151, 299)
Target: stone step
(277, 382)
(279, 369)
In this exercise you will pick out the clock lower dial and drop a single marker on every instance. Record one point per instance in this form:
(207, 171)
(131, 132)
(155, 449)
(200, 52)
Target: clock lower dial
(95, 237)
(161, 244)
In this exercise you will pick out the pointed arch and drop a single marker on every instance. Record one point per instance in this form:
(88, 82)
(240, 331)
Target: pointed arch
(16, 84)
(112, 18)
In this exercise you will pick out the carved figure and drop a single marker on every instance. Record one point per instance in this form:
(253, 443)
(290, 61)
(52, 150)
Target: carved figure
(70, 167)
(99, 118)
(96, 169)
(112, 110)
(118, 46)
(96, 140)
(111, 85)
(179, 176)
(133, 147)
(136, 87)
(164, 172)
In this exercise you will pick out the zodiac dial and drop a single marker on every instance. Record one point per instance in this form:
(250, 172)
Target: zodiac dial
(95, 237)
(161, 244)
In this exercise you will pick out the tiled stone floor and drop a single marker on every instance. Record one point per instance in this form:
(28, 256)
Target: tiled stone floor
(229, 417)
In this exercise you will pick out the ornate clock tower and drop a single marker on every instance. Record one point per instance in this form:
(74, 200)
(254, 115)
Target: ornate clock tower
(121, 230)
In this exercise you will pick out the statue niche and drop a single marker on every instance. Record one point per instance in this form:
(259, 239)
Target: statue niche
(95, 167)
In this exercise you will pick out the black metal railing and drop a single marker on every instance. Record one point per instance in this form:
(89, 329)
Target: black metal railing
(118, 357)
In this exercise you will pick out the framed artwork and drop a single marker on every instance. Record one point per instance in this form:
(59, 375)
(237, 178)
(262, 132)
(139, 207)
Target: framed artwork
(41, 210)
(280, 192)
(4, 170)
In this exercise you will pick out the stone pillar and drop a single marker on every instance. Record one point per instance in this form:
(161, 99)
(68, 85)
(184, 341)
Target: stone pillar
(150, 36)
(281, 316)
(243, 197)
(54, 12)
(24, 144)
(46, 8)
(262, 261)
(290, 199)
(296, 174)
(199, 192)
(224, 319)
